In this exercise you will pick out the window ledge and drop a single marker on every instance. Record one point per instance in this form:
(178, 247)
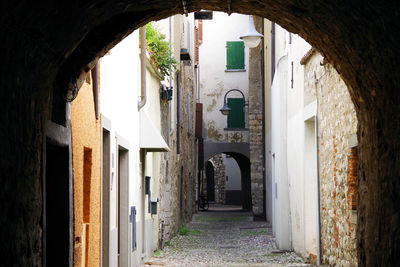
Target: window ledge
(236, 129)
(235, 70)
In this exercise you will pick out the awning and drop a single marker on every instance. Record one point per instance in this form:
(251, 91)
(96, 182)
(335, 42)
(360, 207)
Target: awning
(150, 137)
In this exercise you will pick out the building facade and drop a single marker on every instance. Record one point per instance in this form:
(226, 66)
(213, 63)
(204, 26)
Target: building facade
(86, 158)
(224, 79)
(311, 153)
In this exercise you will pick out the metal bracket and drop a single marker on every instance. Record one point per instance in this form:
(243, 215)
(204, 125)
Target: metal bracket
(229, 11)
(185, 10)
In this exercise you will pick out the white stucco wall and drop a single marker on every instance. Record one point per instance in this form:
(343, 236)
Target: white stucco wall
(119, 88)
(119, 95)
(232, 170)
(280, 187)
(215, 81)
(293, 146)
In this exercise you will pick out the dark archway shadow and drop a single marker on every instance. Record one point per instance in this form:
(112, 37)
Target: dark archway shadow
(48, 46)
(244, 166)
(209, 168)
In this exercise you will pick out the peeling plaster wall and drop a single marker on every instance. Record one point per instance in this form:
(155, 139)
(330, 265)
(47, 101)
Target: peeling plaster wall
(215, 81)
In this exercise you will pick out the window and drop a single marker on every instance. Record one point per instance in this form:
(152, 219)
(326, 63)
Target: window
(235, 55)
(87, 176)
(236, 115)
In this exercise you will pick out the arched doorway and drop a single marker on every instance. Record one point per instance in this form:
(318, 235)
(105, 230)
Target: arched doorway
(210, 181)
(345, 33)
(218, 187)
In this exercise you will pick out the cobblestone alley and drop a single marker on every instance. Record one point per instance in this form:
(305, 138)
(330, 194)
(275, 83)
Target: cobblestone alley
(224, 236)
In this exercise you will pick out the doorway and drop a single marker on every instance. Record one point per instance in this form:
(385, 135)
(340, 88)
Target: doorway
(56, 226)
(123, 206)
(210, 181)
(105, 225)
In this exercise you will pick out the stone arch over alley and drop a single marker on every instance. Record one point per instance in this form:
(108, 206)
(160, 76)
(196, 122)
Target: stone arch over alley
(46, 47)
(245, 178)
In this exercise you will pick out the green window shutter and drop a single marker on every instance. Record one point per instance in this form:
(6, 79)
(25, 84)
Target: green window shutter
(236, 115)
(234, 55)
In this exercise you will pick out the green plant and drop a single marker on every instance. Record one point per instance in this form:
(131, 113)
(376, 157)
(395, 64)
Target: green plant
(159, 49)
(196, 232)
(158, 253)
(184, 230)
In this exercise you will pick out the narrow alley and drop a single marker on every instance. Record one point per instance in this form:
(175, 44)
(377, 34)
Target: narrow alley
(225, 235)
(200, 133)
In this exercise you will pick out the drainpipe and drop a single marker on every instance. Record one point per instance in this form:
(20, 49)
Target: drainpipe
(272, 51)
(95, 80)
(143, 52)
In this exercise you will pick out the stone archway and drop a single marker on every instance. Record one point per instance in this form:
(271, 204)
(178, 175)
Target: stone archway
(46, 46)
(243, 162)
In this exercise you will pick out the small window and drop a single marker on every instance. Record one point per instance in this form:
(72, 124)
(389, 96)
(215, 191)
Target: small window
(235, 55)
(236, 115)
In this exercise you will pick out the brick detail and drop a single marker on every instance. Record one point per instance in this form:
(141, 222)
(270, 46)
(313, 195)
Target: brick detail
(352, 189)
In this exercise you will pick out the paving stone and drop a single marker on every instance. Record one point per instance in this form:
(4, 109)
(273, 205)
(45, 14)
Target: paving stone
(226, 238)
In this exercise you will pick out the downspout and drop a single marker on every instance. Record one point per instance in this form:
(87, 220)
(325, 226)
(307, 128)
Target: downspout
(95, 88)
(272, 51)
(143, 98)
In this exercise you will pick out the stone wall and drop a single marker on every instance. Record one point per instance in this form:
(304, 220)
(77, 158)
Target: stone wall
(337, 126)
(31, 69)
(256, 126)
(178, 170)
(219, 178)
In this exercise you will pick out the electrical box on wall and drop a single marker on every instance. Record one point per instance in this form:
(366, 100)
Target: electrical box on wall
(153, 204)
(133, 222)
(147, 185)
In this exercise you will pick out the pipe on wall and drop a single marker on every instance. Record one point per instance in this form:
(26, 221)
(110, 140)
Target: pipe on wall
(143, 97)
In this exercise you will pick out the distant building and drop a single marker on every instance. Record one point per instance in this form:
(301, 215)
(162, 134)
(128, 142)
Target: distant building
(223, 66)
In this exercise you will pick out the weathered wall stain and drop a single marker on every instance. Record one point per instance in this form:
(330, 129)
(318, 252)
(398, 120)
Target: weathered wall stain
(212, 105)
(212, 132)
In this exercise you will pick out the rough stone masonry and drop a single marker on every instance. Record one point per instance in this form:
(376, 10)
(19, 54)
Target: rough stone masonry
(46, 46)
(256, 127)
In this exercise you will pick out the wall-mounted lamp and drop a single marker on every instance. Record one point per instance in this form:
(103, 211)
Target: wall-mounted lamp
(226, 109)
(252, 38)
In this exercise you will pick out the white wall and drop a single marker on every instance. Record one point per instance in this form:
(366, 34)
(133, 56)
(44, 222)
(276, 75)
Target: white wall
(280, 186)
(232, 170)
(294, 180)
(119, 95)
(214, 80)
(120, 84)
